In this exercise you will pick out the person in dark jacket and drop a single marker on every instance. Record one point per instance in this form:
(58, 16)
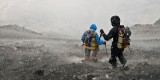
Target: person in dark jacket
(115, 51)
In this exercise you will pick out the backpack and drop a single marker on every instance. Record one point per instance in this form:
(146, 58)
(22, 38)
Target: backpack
(123, 37)
(89, 39)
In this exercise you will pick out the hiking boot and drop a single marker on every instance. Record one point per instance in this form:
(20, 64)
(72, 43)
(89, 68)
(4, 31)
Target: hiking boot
(114, 66)
(125, 67)
(95, 60)
(86, 59)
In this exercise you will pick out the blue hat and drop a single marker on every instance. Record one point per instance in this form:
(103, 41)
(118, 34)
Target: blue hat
(93, 26)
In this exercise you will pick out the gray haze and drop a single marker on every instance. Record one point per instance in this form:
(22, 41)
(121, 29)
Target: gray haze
(72, 17)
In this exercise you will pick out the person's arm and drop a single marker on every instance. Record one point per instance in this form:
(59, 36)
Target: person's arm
(109, 35)
(98, 40)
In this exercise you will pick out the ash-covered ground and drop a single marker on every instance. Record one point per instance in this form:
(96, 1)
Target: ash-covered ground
(46, 58)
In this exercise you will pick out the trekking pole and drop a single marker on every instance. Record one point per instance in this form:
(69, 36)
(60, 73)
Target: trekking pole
(129, 49)
(100, 36)
(82, 46)
(106, 49)
(104, 44)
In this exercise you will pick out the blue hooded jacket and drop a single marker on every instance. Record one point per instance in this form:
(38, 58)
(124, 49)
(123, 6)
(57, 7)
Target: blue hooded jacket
(98, 40)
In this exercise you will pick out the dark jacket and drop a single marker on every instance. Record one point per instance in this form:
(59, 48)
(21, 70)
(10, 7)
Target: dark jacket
(113, 33)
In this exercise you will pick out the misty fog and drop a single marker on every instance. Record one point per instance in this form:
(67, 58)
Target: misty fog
(40, 39)
(72, 17)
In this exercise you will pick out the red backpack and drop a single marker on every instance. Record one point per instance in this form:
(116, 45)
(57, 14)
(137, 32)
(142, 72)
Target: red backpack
(123, 37)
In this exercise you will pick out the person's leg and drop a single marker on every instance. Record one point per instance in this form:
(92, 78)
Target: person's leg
(112, 59)
(95, 52)
(87, 54)
(94, 55)
(121, 57)
(123, 60)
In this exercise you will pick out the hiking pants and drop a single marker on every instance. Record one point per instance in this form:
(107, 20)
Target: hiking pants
(116, 52)
(88, 51)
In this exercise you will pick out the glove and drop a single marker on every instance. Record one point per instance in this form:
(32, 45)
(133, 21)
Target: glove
(101, 31)
(104, 42)
(83, 44)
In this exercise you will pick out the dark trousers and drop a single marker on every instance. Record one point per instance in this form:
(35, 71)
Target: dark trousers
(116, 52)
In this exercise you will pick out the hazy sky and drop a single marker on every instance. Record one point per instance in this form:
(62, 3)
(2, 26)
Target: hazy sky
(75, 16)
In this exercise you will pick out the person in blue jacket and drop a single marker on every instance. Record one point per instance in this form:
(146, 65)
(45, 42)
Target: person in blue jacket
(91, 42)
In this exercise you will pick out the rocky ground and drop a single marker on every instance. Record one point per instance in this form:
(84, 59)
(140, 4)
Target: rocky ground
(33, 56)
(60, 59)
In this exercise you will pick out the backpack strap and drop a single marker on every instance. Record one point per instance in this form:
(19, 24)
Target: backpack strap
(89, 32)
(94, 34)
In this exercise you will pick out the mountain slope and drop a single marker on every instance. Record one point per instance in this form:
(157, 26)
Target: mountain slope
(146, 31)
(157, 22)
(15, 31)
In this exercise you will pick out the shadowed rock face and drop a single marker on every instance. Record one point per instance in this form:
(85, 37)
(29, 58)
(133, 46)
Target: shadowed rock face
(157, 22)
